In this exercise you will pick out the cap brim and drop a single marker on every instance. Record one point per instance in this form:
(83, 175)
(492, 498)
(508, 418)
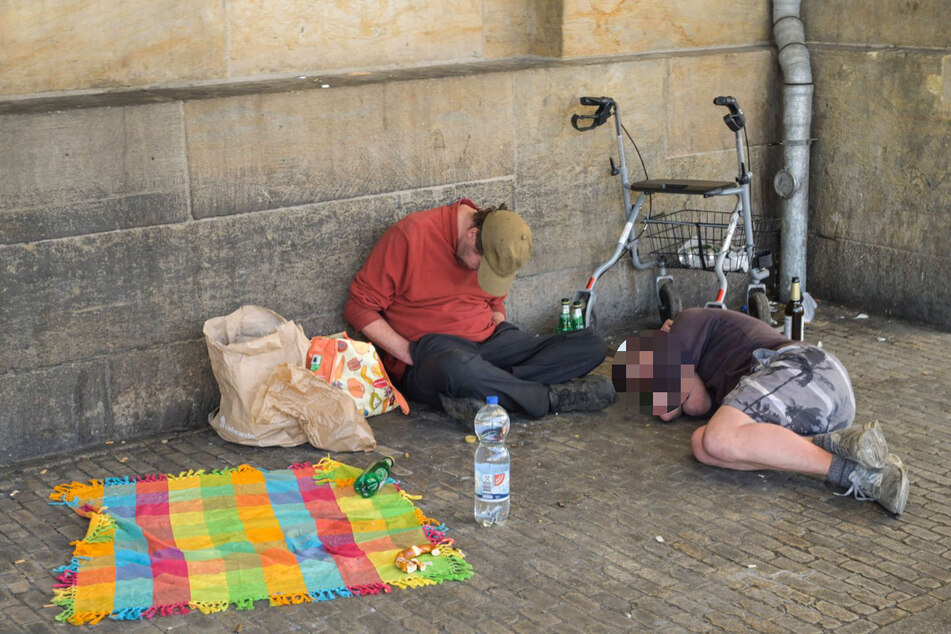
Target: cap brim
(493, 283)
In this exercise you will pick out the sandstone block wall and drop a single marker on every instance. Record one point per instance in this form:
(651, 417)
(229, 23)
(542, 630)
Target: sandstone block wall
(880, 192)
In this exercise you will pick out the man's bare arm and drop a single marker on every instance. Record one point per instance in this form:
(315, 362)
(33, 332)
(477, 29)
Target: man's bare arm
(381, 333)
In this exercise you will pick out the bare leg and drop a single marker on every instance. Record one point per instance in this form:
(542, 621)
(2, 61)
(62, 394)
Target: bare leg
(733, 440)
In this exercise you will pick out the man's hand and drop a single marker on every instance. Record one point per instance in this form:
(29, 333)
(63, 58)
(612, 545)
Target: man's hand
(381, 333)
(497, 318)
(667, 325)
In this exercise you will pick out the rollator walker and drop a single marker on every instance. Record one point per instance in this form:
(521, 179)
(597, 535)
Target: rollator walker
(720, 241)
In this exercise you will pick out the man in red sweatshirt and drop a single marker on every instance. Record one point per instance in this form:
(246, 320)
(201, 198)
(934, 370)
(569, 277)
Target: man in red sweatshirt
(431, 297)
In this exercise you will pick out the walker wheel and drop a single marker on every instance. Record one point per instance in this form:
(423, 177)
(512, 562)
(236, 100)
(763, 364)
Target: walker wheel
(758, 305)
(670, 302)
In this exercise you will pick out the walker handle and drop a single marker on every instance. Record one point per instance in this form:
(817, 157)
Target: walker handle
(735, 120)
(605, 106)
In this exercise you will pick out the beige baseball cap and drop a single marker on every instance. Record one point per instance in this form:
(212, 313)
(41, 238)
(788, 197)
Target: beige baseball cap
(506, 246)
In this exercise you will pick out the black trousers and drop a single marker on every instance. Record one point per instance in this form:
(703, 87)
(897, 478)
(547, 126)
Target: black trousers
(512, 364)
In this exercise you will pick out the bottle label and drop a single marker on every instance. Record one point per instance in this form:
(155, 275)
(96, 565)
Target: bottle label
(799, 334)
(492, 482)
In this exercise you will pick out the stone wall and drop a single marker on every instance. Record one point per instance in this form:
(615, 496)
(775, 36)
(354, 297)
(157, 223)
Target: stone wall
(880, 196)
(168, 162)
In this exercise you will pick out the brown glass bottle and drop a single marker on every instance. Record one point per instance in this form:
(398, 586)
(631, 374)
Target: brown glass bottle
(794, 326)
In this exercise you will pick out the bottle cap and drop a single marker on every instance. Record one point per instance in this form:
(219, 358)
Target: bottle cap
(492, 400)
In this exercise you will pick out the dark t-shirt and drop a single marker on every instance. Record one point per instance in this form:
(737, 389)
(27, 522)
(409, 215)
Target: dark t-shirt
(721, 343)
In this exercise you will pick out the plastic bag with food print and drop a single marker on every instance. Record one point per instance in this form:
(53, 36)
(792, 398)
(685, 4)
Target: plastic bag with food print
(355, 367)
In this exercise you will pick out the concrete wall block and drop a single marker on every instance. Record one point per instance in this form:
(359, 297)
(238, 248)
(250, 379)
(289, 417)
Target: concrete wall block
(921, 23)
(161, 389)
(87, 171)
(879, 168)
(695, 125)
(272, 151)
(881, 279)
(65, 45)
(522, 27)
(290, 36)
(508, 24)
(78, 298)
(592, 27)
(52, 410)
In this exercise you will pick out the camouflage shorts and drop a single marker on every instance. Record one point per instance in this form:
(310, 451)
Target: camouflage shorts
(802, 388)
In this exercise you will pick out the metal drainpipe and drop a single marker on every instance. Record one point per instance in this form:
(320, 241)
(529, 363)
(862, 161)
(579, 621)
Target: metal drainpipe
(792, 182)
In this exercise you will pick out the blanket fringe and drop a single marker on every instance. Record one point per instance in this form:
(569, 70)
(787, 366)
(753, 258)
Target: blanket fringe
(412, 582)
(69, 494)
(85, 618)
(408, 497)
(208, 607)
(102, 528)
(461, 569)
(289, 599)
(324, 470)
(370, 588)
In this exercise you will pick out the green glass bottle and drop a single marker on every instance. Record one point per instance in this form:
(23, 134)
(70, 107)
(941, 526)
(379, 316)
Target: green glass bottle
(373, 479)
(577, 316)
(564, 319)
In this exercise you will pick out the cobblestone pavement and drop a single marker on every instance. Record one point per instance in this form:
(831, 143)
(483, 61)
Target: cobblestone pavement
(614, 525)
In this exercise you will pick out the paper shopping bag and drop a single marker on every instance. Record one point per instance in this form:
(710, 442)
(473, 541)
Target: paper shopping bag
(328, 418)
(245, 347)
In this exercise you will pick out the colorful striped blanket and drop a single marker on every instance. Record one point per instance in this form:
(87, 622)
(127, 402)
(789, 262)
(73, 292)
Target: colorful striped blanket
(168, 544)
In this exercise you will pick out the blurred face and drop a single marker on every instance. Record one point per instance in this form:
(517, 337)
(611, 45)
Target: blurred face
(656, 382)
(466, 252)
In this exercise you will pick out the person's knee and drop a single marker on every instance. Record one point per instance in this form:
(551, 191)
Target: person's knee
(442, 372)
(696, 444)
(448, 363)
(719, 444)
(432, 345)
(590, 346)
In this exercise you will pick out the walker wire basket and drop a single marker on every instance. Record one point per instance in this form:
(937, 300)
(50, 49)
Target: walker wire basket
(692, 238)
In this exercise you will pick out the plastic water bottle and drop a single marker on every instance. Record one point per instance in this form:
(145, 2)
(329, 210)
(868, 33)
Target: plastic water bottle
(491, 464)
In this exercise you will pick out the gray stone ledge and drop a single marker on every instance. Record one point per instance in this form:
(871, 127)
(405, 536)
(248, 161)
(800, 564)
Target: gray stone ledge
(157, 93)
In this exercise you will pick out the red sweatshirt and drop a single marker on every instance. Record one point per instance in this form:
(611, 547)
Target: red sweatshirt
(413, 280)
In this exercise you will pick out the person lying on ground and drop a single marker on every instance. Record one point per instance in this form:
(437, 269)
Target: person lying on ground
(431, 296)
(773, 403)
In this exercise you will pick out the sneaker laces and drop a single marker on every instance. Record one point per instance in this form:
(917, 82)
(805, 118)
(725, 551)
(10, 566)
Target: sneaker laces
(857, 492)
(861, 492)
